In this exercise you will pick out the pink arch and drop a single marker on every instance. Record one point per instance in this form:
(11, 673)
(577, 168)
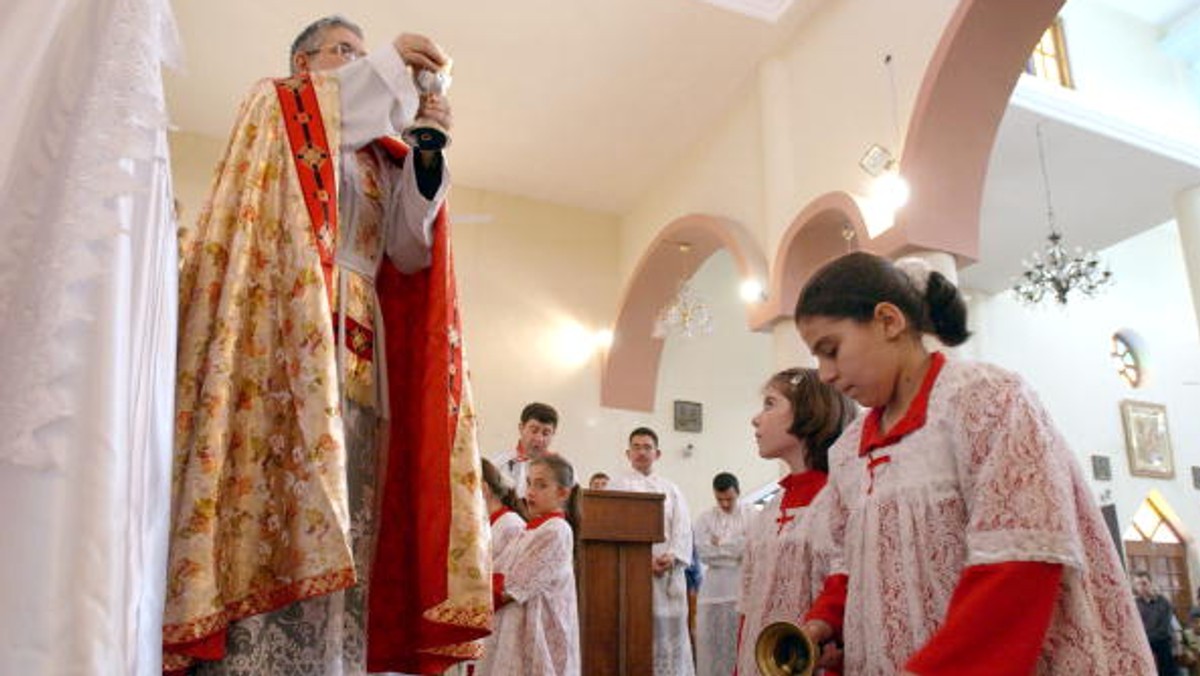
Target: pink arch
(629, 375)
(963, 96)
(815, 236)
(953, 126)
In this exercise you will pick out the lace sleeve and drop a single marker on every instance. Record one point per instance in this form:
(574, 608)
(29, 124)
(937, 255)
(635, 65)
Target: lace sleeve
(543, 559)
(829, 510)
(1016, 474)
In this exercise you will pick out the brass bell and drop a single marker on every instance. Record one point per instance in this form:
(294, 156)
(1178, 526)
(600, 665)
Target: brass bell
(782, 649)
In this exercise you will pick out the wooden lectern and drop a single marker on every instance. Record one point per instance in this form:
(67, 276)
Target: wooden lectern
(615, 617)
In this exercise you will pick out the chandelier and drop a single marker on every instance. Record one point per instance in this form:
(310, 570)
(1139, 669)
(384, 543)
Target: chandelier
(686, 315)
(1056, 272)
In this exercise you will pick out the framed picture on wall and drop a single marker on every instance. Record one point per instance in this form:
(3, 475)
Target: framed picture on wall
(1101, 468)
(689, 416)
(1147, 440)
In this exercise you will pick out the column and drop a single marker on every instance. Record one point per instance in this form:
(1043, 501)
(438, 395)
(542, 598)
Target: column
(1187, 217)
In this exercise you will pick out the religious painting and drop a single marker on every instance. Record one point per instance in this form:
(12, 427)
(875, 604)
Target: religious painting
(689, 416)
(1101, 468)
(1196, 477)
(1147, 441)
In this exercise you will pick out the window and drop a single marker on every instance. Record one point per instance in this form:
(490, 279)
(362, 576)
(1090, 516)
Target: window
(1125, 358)
(1049, 58)
(1152, 544)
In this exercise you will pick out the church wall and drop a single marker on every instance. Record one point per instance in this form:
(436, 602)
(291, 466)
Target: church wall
(724, 371)
(722, 175)
(802, 127)
(1064, 354)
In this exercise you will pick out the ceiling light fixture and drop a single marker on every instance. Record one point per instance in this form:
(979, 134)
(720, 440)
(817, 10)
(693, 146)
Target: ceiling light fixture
(1056, 273)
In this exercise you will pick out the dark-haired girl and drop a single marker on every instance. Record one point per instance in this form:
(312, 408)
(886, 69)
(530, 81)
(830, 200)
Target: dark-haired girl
(782, 571)
(968, 533)
(504, 508)
(536, 628)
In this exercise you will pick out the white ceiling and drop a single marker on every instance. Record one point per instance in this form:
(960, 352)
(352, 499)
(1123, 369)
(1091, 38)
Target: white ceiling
(1104, 190)
(586, 103)
(580, 103)
(1159, 13)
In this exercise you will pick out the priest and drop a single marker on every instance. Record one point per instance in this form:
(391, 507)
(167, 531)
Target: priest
(320, 374)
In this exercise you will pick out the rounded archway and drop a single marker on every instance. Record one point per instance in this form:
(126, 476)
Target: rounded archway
(629, 374)
(962, 99)
(816, 235)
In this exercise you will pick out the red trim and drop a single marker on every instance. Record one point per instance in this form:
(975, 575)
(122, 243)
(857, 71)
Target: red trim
(999, 615)
(914, 417)
(498, 599)
(495, 516)
(314, 165)
(537, 521)
(830, 606)
(800, 488)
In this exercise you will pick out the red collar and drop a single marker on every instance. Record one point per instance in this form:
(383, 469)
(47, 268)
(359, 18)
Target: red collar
(800, 488)
(494, 516)
(534, 523)
(914, 417)
(522, 454)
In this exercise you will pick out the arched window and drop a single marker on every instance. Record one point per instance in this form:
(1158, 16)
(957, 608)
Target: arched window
(1154, 545)
(1049, 58)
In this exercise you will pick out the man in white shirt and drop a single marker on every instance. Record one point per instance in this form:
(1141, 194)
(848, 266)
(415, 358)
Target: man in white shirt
(721, 541)
(672, 647)
(536, 430)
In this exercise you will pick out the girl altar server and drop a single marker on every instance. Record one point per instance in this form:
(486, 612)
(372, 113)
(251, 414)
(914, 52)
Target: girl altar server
(970, 538)
(504, 509)
(536, 628)
(782, 573)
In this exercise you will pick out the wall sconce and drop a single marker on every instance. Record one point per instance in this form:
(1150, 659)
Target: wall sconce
(602, 339)
(752, 291)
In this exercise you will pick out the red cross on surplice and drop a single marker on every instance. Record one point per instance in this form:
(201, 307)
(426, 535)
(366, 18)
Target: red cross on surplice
(783, 519)
(875, 461)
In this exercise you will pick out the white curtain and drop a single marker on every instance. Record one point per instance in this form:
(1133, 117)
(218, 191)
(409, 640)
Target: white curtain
(87, 335)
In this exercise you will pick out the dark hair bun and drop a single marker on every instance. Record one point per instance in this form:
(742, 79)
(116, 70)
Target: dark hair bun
(947, 310)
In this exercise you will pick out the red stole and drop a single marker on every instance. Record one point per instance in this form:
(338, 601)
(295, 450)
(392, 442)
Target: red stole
(422, 332)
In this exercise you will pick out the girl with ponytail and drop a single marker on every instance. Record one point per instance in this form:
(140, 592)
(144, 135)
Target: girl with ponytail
(535, 631)
(966, 539)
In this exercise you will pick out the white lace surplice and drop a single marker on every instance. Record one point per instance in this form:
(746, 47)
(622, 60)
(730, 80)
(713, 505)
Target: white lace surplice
(987, 480)
(672, 646)
(782, 572)
(538, 633)
(720, 543)
(505, 531)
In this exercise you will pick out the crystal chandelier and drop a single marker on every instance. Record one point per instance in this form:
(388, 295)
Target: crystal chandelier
(1057, 272)
(686, 315)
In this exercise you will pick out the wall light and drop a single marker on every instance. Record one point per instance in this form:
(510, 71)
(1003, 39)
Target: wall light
(752, 291)
(889, 187)
(602, 339)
